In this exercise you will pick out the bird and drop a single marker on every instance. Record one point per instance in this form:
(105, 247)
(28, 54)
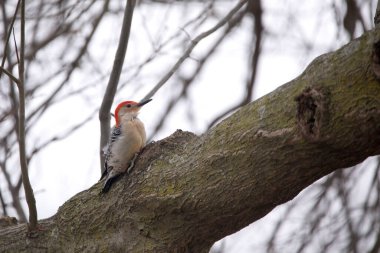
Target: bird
(126, 140)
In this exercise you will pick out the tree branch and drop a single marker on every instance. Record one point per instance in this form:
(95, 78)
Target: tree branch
(12, 77)
(186, 192)
(8, 36)
(192, 45)
(14, 194)
(254, 8)
(186, 82)
(73, 65)
(109, 95)
(3, 205)
(22, 149)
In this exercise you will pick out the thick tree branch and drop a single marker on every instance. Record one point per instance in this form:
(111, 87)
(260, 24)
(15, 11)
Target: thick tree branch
(186, 192)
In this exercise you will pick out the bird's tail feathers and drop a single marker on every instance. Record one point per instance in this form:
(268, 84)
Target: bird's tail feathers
(109, 181)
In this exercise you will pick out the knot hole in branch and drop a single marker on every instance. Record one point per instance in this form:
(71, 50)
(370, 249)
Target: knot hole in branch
(310, 111)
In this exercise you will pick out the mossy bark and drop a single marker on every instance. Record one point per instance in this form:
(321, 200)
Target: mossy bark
(188, 191)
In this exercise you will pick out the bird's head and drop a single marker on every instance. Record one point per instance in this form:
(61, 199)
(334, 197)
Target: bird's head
(131, 108)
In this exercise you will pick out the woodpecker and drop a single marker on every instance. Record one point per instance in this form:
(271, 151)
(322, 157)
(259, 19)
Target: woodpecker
(127, 139)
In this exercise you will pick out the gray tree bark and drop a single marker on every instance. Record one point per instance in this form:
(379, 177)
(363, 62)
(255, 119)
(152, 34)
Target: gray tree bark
(188, 191)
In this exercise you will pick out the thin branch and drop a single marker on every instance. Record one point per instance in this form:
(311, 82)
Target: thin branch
(22, 145)
(14, 193)
(193, 44)
(186, 84)
(10, 75)
(3, 204)
(46, 103)
(62, 136)
(54, 139)
(109, 95)
(254, 7)
(14, 39)
(9, 35)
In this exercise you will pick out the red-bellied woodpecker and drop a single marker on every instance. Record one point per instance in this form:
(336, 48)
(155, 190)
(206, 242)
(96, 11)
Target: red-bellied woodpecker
(127, 139)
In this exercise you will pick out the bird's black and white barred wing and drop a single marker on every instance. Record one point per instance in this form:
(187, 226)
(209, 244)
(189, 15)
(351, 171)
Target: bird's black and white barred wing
(115, 134)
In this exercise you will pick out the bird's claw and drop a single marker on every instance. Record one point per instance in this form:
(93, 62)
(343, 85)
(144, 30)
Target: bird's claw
(132, 163)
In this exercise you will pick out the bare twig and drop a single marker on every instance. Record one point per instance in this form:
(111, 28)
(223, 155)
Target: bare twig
(192, 45)
(14, 39)
(73, 66)
(14, 193)
(3, 204)
(67, 133)
(10, 75)
(109, 95)
(254, 7)
(186, 83)
(9, 35)
(61, 28)
(22, 149)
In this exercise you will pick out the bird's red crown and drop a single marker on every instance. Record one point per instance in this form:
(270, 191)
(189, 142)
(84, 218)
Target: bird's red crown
(121, 105)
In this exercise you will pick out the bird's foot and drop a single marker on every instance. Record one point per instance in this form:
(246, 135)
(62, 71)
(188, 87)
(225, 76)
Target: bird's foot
(132, 163)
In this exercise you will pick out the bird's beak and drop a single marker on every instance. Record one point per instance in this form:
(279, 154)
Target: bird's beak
(144, 102)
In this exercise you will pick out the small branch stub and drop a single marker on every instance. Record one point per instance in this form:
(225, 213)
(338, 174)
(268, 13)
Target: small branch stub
(310, 112)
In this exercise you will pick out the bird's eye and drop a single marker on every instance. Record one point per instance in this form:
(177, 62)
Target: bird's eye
(129, 105)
